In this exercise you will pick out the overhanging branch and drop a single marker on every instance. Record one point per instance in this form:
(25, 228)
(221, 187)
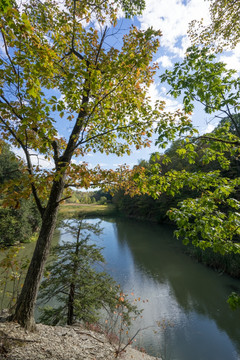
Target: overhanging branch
(237, 142)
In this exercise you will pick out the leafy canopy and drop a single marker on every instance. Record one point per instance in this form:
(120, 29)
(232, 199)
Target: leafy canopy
(18, 220)
(224, 29)
(60, 70)
(57, 68)
(212, 218)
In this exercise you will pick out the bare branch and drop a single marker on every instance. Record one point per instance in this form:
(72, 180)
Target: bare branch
(121, 350)
(63, 199)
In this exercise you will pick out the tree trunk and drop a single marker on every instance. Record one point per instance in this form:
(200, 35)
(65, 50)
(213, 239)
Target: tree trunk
(24, 312)
(71, 304)
(71, 296)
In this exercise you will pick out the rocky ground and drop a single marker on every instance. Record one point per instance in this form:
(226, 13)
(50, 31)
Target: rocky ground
(59, 343)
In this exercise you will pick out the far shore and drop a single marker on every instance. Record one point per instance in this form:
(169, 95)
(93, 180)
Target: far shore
(72, 209)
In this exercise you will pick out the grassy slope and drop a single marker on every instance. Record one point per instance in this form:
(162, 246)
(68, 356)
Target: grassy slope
(87, 209)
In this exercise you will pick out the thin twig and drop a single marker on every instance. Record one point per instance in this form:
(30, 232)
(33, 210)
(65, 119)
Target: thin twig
(119, 351)
(88, 334)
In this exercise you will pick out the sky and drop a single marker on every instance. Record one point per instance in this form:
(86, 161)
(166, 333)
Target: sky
(172, 17)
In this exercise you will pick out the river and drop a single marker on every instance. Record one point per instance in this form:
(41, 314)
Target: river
(187, 299)
(174, 290)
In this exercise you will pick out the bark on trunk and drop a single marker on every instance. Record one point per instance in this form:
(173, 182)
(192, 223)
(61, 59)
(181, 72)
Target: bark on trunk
(71, 296)
(24, 312)
(71, 304)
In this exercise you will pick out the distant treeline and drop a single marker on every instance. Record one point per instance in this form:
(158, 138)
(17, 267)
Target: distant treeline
(146, 207)
(19, 220)
(90, 197)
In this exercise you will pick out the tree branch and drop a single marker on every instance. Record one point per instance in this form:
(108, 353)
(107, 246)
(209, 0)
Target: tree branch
(101, 100)
(72, 50)
(102, 134)
(232, 118)
(7, 53)
(56, 152)
(63, 199)
(71, 145)
(237, 142)
(101, 44)
(11, 107)
(29, 166)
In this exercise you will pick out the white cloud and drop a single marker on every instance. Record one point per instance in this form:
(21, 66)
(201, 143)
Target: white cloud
(103, 164)
(185, 43)
(37, 160)
(130, 164)
(165, 61)
(153, 93)
(76, 161)
(172, 18)
(2, 51)
(209, 128)
(163, 90)
(170, 103)
(232, 60)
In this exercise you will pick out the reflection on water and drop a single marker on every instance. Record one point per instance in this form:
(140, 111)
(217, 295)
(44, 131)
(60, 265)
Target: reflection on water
(146, 260)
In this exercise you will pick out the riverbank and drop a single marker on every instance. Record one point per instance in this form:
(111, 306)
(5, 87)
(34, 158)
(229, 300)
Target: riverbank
(87, 210)
(59, 343)
(228, 263)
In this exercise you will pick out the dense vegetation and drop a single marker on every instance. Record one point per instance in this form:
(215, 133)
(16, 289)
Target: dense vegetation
(53, 66)
(155, 209)
(158, 209)
(90, 197)
(75, 279)
(21, 220)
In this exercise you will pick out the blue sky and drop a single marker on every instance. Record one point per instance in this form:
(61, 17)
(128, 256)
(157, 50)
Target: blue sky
(172, 17)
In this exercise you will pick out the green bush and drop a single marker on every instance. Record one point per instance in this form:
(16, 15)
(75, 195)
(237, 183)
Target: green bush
(74, 280)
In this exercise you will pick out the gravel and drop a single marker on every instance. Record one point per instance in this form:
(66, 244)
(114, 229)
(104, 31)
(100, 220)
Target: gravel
(59, 343)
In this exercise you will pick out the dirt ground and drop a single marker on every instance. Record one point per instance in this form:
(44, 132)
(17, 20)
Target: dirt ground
(59, 343)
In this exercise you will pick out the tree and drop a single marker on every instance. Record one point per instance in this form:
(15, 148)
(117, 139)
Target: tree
(212, 219)
(18, 220)
(75, 281)
(223, 31)
(9, 166)
(58, 69)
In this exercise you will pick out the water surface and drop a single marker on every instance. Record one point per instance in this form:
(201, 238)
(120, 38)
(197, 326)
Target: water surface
(191, 299)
